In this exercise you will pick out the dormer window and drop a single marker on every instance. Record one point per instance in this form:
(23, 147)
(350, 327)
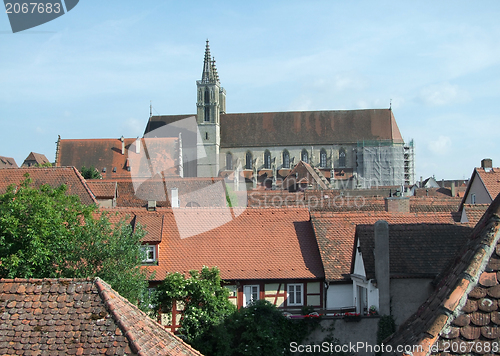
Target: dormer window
(149, 253)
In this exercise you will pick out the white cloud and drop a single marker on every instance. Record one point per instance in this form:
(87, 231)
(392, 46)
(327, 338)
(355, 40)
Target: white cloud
(442, 94)
(440, 146)
(134, 127)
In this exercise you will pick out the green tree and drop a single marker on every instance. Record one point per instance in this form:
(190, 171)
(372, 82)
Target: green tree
(46, 233)
(258, 329)
(90, 173)
(205, 300)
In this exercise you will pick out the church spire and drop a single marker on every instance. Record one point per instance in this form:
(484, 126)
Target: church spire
(208, 75)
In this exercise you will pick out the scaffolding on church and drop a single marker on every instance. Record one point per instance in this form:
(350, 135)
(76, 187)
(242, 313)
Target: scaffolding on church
(383, 163)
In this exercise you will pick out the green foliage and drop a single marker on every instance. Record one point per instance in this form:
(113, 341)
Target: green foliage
(386, 327)
(46, 164)
(231, 197)
(258, 329)
(90, 173)
(205, 301)
(45, 233)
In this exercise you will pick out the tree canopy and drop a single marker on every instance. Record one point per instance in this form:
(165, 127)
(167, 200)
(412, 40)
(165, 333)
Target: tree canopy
(45, 233)
(90, 173)
(204, 298)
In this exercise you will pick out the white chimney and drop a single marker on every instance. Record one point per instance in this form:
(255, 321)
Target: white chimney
(138, 145)
(123, 144)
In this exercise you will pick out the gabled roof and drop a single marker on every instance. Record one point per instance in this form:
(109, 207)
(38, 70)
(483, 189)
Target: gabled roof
(463, 310)
(35, 158)
(155, 155)
(7, 162)
(335, 233)
(490, 179)
(299, 128)
(415, 250)
(78, 316)
(53, 176)
(303, 173)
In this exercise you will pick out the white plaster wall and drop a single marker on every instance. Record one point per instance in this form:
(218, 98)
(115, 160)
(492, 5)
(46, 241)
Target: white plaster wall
(478, 188)
(339, 296)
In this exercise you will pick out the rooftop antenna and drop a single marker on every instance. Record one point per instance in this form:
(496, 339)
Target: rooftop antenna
(390, 104)
(150, 108)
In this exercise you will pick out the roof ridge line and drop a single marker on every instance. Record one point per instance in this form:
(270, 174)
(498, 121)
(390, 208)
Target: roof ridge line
(84, 183)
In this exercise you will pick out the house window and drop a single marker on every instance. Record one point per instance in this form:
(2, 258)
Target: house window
(322, 158)
(149, 253)
(248, 164)
(229, 161)
(342, 158)
(267, 160)
(304, 156)
(250, 294)
(295, 294)
(473, 198)
(286, 159)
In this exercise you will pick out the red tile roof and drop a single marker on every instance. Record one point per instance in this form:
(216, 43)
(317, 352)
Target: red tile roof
(303, 173)
(35, 158)
(201, 192)
(71, 316)
(335, 233)
(491, 180)
(474, 212)
(7, 162)
(255, 244)
(302, 127)
(152, 222)
(53, 176)
(463, 310)
(155, 155)
(102, 189)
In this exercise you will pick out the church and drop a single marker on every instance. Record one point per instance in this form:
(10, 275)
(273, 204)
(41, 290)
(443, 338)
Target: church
(345, 148)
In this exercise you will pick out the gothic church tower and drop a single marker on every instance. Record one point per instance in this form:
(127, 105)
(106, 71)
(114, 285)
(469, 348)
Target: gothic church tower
(210, 104)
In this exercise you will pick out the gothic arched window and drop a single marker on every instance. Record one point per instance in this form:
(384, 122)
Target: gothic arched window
(229, 161)
(304, 156)
(342, 157)
(322, 158)
(248, 162)
(286, 159)
(207, 102)
(267, 160)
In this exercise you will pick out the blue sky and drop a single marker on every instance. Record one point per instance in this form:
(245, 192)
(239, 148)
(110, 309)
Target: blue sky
(92, 72)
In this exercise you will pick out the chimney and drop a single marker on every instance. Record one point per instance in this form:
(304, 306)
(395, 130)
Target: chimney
(138, 145)
(487, 164)
(397, 204)
(453, 192)
(421, 182)
(151, 205)
(381, 254)
(123, 144)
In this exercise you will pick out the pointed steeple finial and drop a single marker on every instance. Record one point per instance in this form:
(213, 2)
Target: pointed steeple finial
(208, 73)
(214, 70)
